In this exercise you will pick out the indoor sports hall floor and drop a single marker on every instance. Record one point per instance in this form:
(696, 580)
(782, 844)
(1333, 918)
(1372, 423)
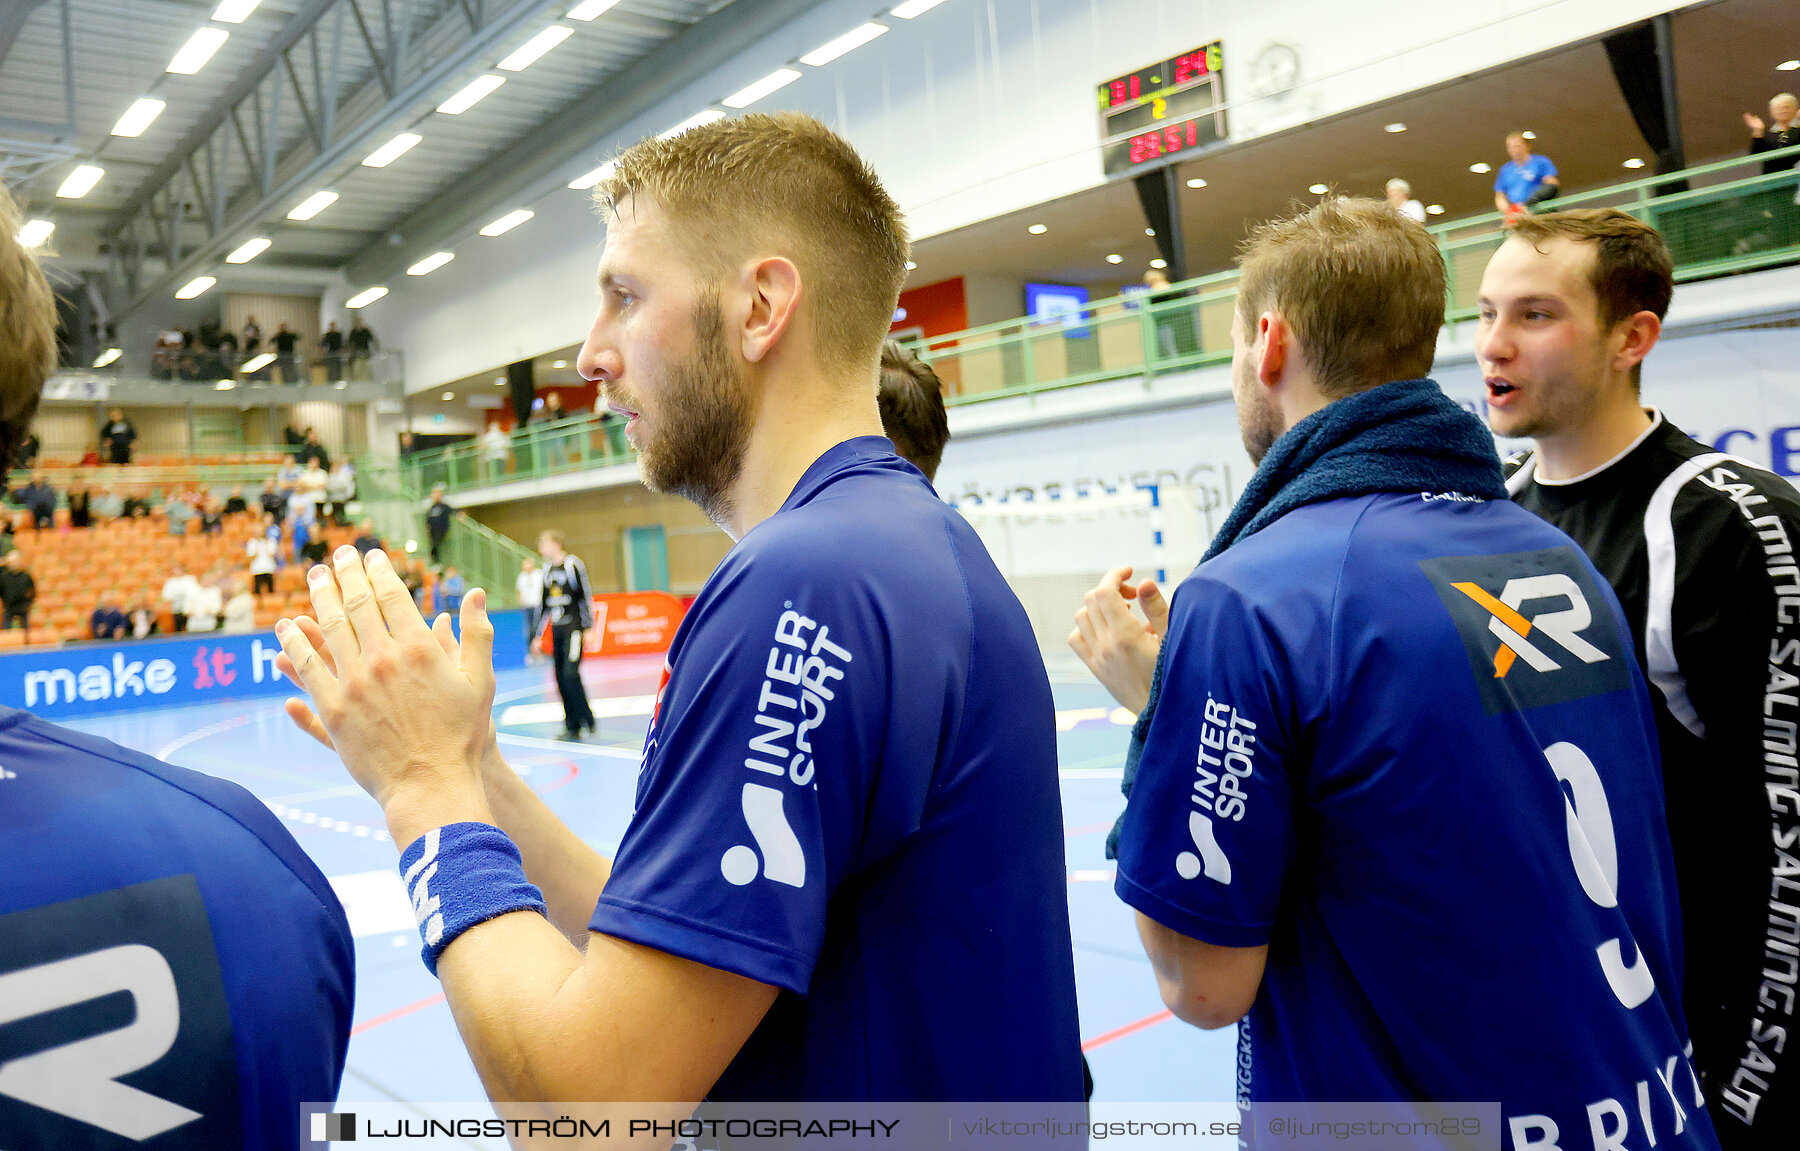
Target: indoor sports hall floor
(404, 1046)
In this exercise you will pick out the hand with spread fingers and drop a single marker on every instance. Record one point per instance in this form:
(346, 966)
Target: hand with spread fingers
(1118, 647)
(405, 705)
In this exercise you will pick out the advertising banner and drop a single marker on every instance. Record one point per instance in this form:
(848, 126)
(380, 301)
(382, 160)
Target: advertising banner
(627, 623)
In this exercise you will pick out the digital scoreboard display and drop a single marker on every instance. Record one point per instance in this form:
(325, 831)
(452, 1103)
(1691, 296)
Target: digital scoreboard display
(1158, 114)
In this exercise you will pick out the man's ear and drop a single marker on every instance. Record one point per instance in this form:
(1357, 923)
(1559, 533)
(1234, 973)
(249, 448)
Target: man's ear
(1274, 340)
(1640, 333)
(772, 287)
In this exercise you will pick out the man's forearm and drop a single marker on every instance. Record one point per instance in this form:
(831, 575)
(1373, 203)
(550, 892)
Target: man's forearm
(569, 872)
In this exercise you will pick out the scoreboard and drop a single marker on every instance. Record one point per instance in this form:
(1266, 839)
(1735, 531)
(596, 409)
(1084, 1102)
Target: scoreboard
(1159, 114)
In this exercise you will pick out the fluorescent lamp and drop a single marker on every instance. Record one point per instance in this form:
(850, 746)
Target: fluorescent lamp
(195, 287)
(81, 181)
(1434, 209)
(35, 232)
(1395, 128)
(365, 297)
(198, 50)
(1115, 258)
(234, 11)
(248, 250)
(588, 9)
(848, 42)
(1787, 65)
(508, 222)
(1038, 229)
(431, 263)
(711, 115)
(1196, 182)
(1480, 169)
(479, 89)
(1159, 263)
(588, 180)
(914, 8)
(448, 396)
(1317, 189)
(257, 363)
(1634, 162)
(138, 117)
(313, 205)
(528, 53)
(223, 386)
(108, 356)
(773, 82)
(392, 150)
(1529, 135)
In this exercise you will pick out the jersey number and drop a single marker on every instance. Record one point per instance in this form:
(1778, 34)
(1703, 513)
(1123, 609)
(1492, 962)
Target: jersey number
(1595, 854)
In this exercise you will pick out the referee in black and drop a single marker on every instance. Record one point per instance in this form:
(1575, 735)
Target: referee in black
(567, 603)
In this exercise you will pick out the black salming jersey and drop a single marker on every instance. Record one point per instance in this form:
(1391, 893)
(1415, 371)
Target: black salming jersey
(1700, 547)
(568, 597)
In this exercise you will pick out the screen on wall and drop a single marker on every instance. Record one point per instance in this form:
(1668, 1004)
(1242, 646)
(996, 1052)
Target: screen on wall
(1058, 303)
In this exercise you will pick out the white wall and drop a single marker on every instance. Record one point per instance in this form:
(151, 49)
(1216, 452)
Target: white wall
(975, 109)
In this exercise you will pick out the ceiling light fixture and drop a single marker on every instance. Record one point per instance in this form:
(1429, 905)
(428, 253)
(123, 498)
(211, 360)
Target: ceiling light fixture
(588, 180)
(698, 119)
(1038, 229)
(35, 232)
(559, 363)
(431, 263)
(112, 354)
(313, 205)
(588, 9)
(508, 222)
(392, 150)
(499, 381)
(1434, 209)
(448, 396)
(1149, 231)
(1480, 169)
(1395, 127)
(1634, 162)
(257, 363)
(1115, 258)
(1196, 182)
(234, 11)
(529, 52)
(81, 181)
(1159, 263)
(365, 297)
(198, 50)
(848, 42)
(1787, 66)
(474, 93)
(773, 82)
(914, 8)
(195, 287)
(224, 386)
(248, 250)
(1529, 135)
(138, 117)
(1317, 189)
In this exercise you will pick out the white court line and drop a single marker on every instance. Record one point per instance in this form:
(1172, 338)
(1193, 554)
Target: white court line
(571, 747)
(1090, 773)
(323, 793)
(191, 737)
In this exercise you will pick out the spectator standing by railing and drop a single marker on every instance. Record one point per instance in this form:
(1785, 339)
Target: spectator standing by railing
(287, 368)
(496, 444)
(437, 522)
(361, 342)
(311, 449)
(27, 455)
(1782, 131)
(331, 348)
(18, 591)
(81, 505)
(1174, 323)
(1400, 199)
(340, 489)
(252, 337)
(1525, 180)
(109, 620)
(556, 440)
(530, 586)
(118, 436)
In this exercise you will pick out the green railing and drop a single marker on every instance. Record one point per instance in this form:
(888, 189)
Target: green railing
(485, 558)
(537, 451)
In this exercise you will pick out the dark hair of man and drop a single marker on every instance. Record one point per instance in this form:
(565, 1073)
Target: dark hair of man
(1361, 286)
(27, 332)
(1633, 271)
(912, 408)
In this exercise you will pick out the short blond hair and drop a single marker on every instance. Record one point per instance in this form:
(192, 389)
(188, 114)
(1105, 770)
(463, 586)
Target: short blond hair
(736, 186)
(1361, 286)
(27, 332)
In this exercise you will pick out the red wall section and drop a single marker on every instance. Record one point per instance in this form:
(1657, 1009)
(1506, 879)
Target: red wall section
(938, 308)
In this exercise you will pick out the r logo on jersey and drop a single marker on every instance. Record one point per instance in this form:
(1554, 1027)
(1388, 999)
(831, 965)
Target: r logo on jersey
(1537, 628)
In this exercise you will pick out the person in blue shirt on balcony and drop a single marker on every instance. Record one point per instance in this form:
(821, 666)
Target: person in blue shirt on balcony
(1525, 180)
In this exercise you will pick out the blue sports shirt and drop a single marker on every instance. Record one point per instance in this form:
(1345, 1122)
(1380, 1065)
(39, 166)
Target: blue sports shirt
(849, 791)
(171, 963)
(1403, 743)
(1518, 181)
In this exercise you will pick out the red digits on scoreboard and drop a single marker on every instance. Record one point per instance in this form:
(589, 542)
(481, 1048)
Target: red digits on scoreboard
(1136, 88)
(1118, 92)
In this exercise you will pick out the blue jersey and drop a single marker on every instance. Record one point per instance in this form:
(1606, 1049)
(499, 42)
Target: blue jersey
(849, 791)
(170, 960)
(1403, 743)
(1518, 181)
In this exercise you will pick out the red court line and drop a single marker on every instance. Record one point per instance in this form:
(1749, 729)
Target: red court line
(566, 777)
(398, 1013)
(1117, 1032)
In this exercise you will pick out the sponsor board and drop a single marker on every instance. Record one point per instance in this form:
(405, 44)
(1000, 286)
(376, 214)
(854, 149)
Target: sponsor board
(626, 623)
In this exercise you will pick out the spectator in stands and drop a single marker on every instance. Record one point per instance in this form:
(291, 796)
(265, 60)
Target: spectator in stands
(107, 505)
(38, 498)
(178, 509)
(311, 449)
(361, 342)
(165, 354)
(261, 549)
(240, 607)
(448, 595)
(136, 505)
(292, 435)
(27, 454)
(1525, 180)
(252, 337)
(104, 848)
(143, 620)
(556, 442)
(331, 351)
(118, 435)
(206, 603)
(1174, 324)
(530, 586)
(236, 503)
(272, 500)
(340, 489)
(912, 408)
(178, 592)
(109, 621)
(81, 505)
(17, 593)
(91, 457)
(1399, 198)
(212, 516)
(1782, 131)
(304, 525)
(313, 482)
(437, 522)
(287, 477)
(496, 445)
(287, 368)
(366, 540)
(408, 445)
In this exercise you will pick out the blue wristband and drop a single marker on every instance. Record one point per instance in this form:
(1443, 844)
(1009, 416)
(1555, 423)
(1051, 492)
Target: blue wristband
(459, 875)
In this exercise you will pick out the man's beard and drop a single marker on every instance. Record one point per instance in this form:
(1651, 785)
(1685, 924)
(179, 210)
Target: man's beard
(1258, 421)
(706, 411)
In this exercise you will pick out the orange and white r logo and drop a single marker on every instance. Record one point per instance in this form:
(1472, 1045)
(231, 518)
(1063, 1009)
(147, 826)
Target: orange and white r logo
(1562, 627)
